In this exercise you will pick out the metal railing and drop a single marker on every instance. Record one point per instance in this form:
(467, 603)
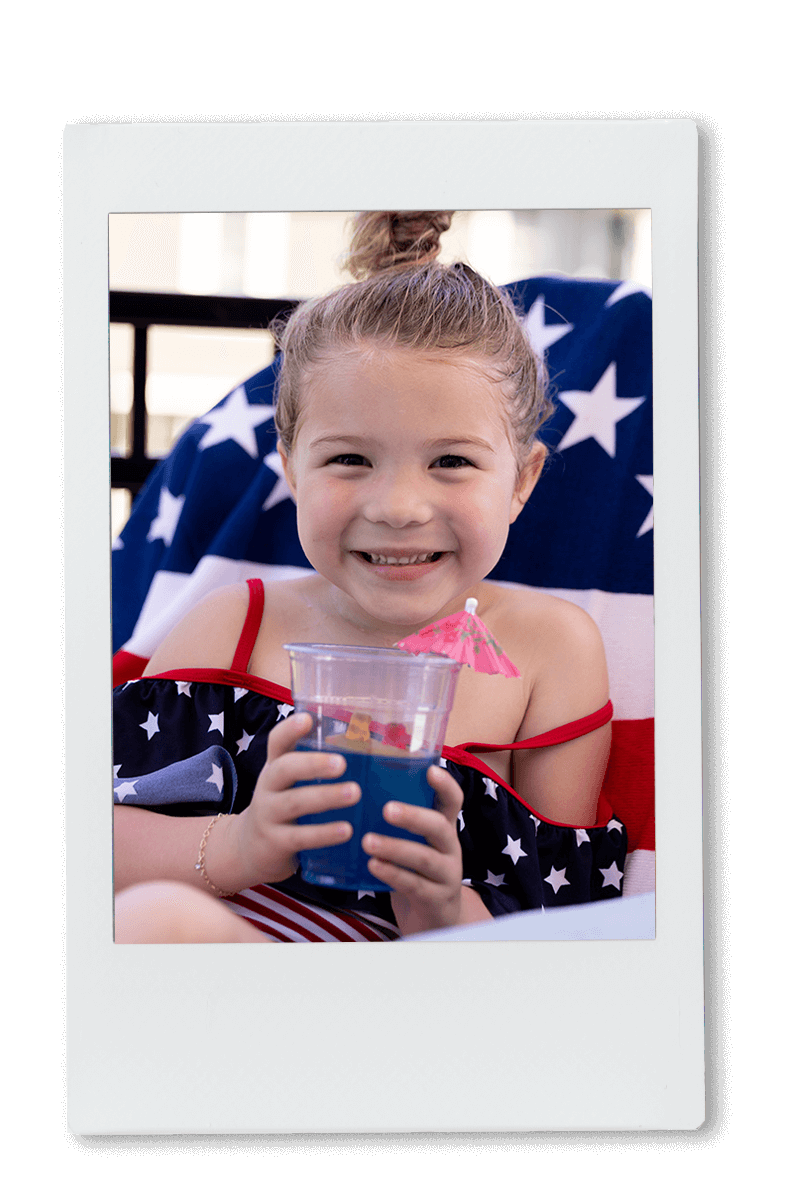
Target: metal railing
(143, 309)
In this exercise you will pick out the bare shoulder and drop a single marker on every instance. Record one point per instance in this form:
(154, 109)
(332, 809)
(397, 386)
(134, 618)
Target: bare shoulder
(548, 622)
(207, 636)
(559, 651)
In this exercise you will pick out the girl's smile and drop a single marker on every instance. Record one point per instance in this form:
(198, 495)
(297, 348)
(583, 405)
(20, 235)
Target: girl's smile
(400, 566)
(405, 482)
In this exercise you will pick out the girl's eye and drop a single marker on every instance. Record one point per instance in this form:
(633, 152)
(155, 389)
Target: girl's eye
(452, 461)
(349, 460)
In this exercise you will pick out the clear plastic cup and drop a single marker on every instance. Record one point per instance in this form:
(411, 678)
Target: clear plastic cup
(386, 712)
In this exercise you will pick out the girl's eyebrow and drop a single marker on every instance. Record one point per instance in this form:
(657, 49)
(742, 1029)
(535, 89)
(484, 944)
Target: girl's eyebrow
(435, 444)
(333, 438)
(476, 443)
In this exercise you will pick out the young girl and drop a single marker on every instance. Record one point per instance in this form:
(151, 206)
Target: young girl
(408, 409)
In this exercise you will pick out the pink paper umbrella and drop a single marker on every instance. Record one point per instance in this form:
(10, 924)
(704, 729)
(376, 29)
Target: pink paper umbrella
(464, 637)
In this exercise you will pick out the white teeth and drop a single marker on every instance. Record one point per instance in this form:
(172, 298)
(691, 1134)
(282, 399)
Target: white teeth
(383, 560)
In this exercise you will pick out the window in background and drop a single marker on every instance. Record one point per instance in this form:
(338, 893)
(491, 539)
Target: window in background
(296, 255)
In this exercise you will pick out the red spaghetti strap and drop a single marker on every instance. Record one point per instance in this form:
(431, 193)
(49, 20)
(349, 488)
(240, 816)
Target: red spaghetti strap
(249, 633)
(553, 737)
(570, 731)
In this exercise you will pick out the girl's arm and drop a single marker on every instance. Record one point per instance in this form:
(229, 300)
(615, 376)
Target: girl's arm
(148, 846)
(563, 782)
(207, 636)
(257, 845)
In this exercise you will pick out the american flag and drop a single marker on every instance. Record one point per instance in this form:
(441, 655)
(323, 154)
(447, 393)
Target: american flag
(217, 510)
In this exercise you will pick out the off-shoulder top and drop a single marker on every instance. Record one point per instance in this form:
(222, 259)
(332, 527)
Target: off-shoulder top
(193, 742)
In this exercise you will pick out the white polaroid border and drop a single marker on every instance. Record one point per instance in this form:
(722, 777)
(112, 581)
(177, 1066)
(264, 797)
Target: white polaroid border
(421, 1036)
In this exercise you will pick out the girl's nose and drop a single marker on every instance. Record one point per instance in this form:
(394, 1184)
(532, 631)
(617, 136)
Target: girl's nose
(398, 500)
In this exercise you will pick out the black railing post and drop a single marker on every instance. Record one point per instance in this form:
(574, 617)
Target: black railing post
(143, 309)
(139, 449)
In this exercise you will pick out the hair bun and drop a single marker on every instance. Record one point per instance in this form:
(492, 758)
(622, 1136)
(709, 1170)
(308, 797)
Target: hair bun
(394, 239)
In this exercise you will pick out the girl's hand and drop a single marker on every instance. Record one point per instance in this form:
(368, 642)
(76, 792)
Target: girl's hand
(425, 879)
(265, 835)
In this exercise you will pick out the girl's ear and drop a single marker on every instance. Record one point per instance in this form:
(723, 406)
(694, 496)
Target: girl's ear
(286, 468)
(527, 479)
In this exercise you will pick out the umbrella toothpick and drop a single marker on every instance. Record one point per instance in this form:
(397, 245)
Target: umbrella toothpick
(464, 637)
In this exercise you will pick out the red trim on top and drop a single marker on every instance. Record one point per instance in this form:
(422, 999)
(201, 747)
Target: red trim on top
(264, 687)
(462, 757)
(251, 627)
(456, 754)
(237, 676)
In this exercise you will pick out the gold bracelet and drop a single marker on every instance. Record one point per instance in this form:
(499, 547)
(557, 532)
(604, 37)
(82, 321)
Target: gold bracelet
(200, 864)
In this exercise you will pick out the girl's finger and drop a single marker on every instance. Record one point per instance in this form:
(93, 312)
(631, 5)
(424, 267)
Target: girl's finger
(286, 734)
(449, 796)
(303, 766)
(438, 827)
(413, 857)
(321, 798)
(313, 837)
(416, 887)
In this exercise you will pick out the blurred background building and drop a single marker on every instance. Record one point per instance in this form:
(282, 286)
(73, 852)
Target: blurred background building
(292, 256)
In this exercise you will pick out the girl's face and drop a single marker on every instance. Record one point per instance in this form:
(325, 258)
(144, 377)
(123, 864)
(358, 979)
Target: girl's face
(405, 482)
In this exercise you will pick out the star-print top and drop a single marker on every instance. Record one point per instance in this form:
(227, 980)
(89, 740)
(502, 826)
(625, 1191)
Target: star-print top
(193, 742)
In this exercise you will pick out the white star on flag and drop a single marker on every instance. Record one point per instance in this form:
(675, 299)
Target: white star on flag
(628, 288)
(467, 882)
(238, 693)
(582, 836)
(115, 770)
(494, 880)
(614, 824)
(216, 776)
(513, 848)
(556, 879)
(281, 489)
(361, 895)
(490, 789)
(461, 821)
(151, 726)
(244, 741)
(217, 722)
(118, 543)
(541, 335)
(442, 762)
(235, 421)
(284, 710)
(125, 789)
(611, 876)
(597, 412)
(184, 689)
(164, 523)
(647, 483)
(537, 821)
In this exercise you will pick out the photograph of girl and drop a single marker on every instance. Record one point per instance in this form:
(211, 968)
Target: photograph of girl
(410, 419)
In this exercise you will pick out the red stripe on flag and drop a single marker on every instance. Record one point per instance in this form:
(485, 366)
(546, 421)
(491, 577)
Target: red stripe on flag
(126, 666)
(629, 784)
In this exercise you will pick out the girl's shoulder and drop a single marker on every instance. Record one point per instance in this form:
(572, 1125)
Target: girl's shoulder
(547, 622)
(207, 636)
(559, 651)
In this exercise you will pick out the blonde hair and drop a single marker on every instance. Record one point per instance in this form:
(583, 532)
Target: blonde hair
(405, 298)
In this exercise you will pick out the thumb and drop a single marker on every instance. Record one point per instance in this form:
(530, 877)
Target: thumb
(449, 796)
